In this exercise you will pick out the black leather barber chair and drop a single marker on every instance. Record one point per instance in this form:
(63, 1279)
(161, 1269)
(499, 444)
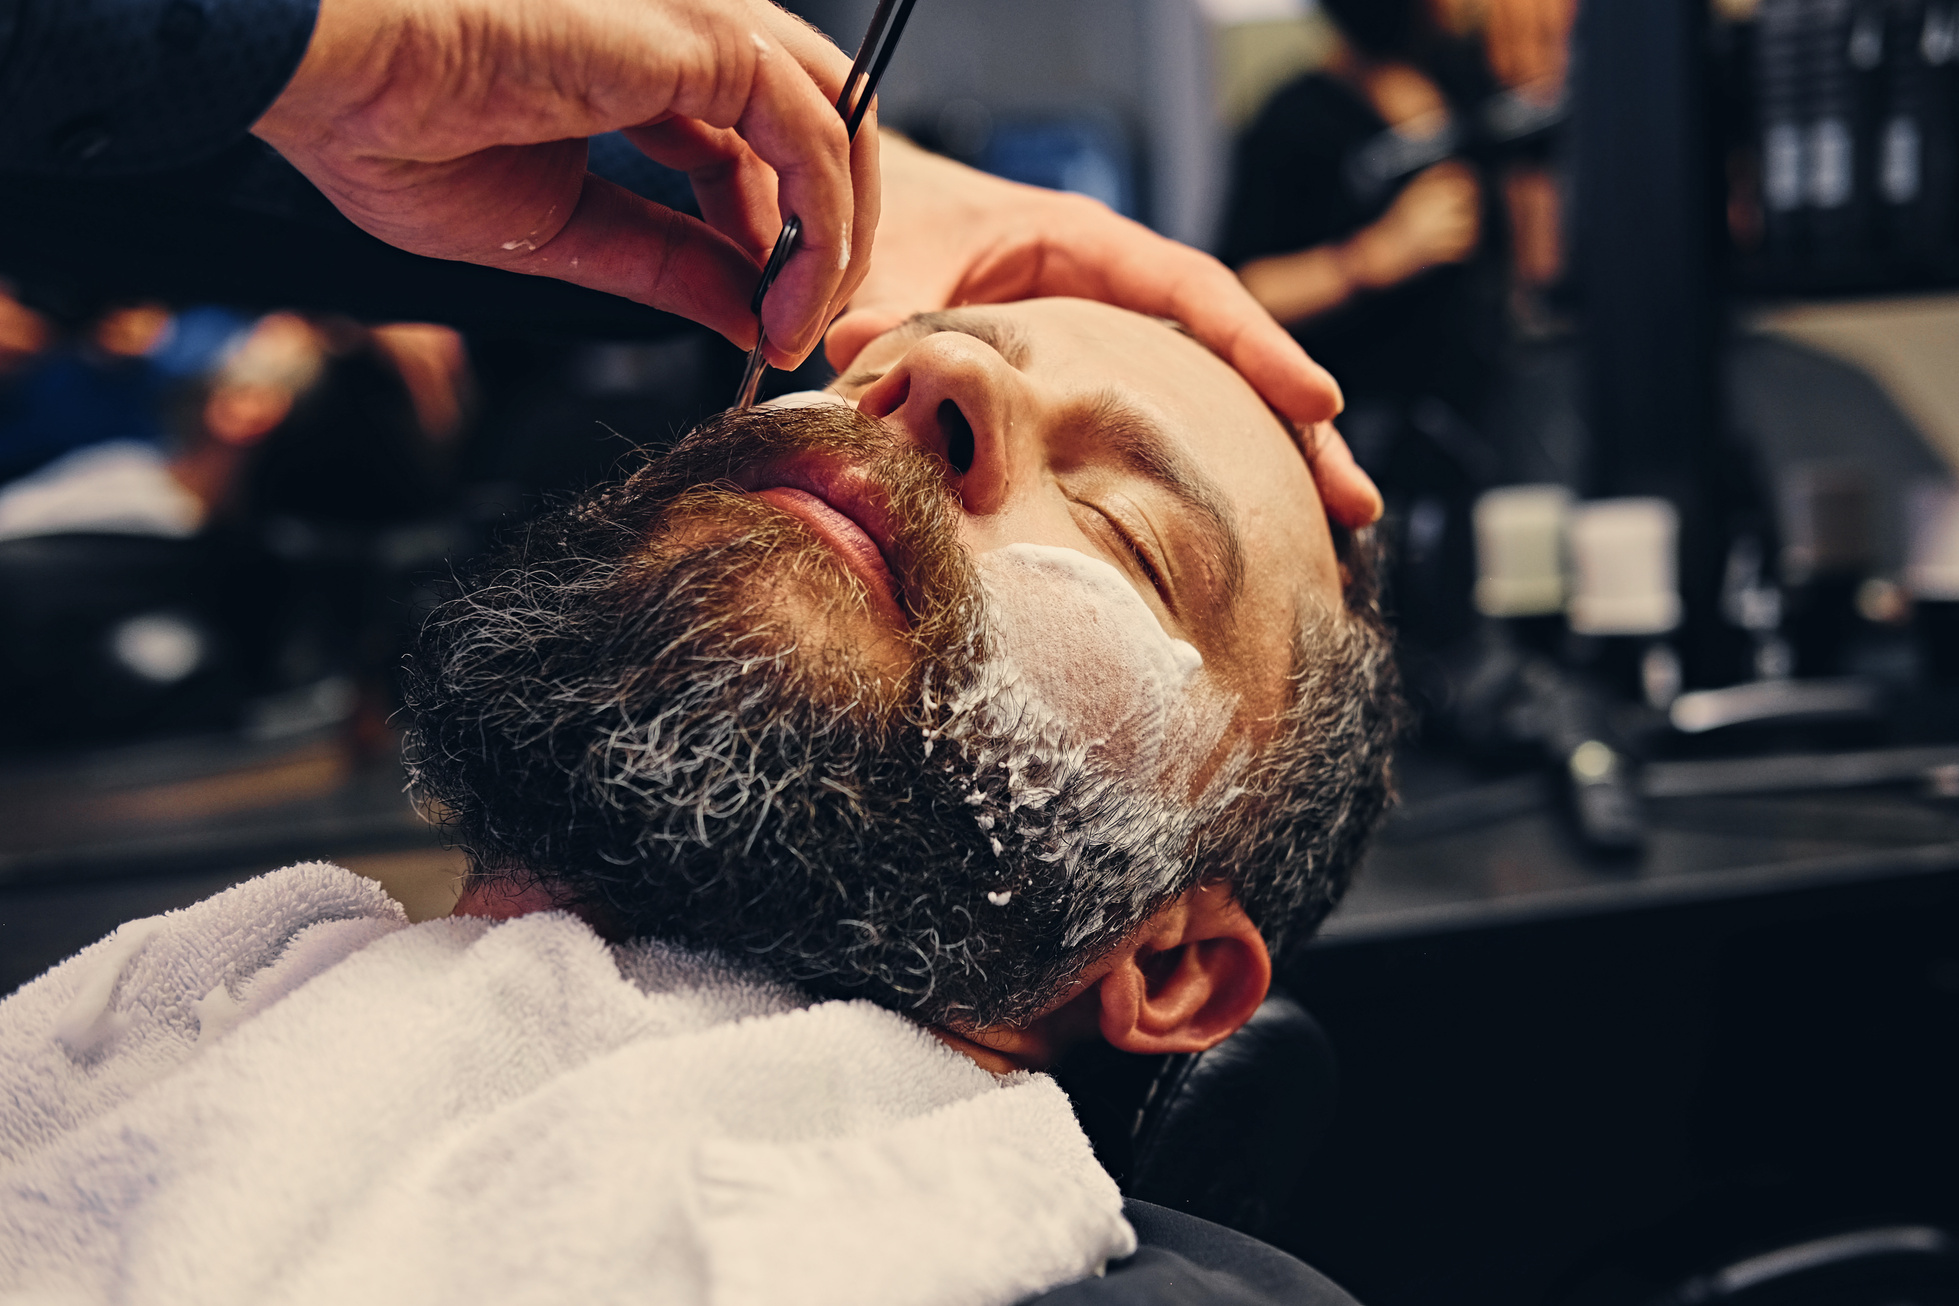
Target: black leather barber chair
(1897, 1261)
(1223, 1135)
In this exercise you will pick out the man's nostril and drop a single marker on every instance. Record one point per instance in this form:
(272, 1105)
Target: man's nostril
(958, 434)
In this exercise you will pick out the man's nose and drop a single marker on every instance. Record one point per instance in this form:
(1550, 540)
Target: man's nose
(954, 396)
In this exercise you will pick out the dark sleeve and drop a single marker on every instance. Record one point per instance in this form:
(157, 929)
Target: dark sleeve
(1288, 191)
(98, 88)
(244, 228)
(1184, 1261)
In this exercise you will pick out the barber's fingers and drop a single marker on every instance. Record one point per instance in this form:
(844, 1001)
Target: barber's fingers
(790, 122)
(865, 191)
(735, 189)
(737, 192)
(1215, 306)
(617, 242)
(740, 194)
(1348, 493)
(828, 66)
(731, 69)
(1094, 253)
(1087, 250)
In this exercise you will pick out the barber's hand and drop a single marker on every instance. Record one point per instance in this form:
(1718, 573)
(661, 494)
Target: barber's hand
(1528, 42)
(952, 235)
(456, 128)
(1436, 219)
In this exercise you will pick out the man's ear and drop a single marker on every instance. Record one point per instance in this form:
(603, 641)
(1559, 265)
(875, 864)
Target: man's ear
(1193, 974)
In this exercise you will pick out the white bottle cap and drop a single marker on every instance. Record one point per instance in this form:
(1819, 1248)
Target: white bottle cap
(1624, 567)
(1520, 550)
(1932, 566)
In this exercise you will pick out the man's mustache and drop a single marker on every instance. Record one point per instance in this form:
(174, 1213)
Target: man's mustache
(933, 571)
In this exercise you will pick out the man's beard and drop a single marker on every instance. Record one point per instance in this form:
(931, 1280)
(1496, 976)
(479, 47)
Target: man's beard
(656, 706)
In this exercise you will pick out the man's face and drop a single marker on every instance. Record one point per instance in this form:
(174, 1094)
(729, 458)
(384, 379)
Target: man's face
(1074, 425)
(932, 699)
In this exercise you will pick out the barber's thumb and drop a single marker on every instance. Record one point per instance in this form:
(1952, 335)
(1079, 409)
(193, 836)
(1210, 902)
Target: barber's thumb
(855, 329)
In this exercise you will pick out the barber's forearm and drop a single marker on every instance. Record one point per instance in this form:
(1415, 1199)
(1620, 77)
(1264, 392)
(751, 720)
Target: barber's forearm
(1294, 287)
(113, 87)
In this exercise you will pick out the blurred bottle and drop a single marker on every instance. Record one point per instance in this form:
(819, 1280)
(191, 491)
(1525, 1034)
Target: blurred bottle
(1932, 579)
(1827, 551)
(1520, 563)
(1625, 594)
(1917, 171)
(1780, 65)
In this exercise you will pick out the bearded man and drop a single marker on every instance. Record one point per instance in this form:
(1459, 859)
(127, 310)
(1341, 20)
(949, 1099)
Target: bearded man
(823, 781)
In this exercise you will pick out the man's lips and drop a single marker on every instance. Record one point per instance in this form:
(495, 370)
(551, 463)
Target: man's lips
(842, 508)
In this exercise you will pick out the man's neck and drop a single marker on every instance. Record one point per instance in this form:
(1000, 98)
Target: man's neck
(500, 900)
(1003, 1052)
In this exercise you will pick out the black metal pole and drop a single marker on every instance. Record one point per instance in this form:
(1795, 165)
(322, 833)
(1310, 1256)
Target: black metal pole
(1644, 231)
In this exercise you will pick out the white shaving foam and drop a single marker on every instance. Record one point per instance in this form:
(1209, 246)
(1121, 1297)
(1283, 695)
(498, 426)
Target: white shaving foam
(808, 399)
(1079, 653)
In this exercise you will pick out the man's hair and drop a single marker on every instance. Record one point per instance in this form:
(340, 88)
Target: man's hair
(622, 723)
(1290, 839)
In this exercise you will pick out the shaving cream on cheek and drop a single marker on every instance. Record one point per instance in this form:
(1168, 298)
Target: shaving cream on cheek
(808, 399)
(1076, 647)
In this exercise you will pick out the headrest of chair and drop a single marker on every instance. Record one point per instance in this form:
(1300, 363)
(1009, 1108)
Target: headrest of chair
(1223, 1134)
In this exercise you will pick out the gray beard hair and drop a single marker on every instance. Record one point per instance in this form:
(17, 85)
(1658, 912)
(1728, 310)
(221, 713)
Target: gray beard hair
(650, 742)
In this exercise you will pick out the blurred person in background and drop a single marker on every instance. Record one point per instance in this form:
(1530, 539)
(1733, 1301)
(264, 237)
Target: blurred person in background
(140, 487)
(1387, 209)
(356, 412)
(170, 586)
(64, 386)
(1357, 216)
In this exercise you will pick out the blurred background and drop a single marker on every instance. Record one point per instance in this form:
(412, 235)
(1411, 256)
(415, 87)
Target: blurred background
(1647, 312)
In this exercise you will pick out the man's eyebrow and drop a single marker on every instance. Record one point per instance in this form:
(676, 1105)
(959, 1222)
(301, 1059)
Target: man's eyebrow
(1004, 338)
(1138, 438)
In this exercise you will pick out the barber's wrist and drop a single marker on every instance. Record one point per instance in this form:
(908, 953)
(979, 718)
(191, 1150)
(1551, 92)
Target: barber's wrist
(1358, 260)
(336, 70)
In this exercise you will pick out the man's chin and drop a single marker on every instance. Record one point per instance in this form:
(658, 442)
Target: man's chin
(780, 575)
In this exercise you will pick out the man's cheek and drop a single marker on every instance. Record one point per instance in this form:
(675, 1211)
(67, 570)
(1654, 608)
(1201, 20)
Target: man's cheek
(1075, 647)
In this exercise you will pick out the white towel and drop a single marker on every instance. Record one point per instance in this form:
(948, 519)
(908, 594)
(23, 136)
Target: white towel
(289, 1094)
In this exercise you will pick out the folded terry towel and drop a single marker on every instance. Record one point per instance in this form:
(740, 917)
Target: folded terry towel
(289, 1094)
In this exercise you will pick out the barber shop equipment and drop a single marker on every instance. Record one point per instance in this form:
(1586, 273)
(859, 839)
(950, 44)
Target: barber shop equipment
(1520, 533)
(1887, 1262)
(1932, 579)
(125, 635)
(1622, 553)
(1557, 651)
(1858, 146)
(1520, 562)
(1827, 552)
